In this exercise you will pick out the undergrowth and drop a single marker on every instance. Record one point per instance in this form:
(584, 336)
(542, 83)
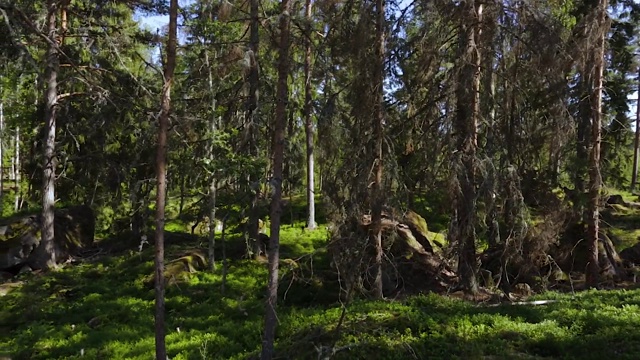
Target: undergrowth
(103, 309)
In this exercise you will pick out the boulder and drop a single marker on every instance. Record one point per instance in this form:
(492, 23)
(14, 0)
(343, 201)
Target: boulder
(20, 243)
(631, 254)
(181, 268)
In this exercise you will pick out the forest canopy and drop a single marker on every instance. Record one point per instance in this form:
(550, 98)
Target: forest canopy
(473, 146)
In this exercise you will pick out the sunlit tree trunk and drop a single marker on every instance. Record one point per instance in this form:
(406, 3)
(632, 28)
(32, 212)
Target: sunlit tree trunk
(465, 127)
(49, 141)
(161, 174)
(276, 182)
(212, 183)
(636, 142)
(308, 98)
(595, 180)
(17, 176)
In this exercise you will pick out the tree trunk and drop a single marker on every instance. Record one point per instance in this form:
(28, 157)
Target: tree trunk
(465, 127)
(636, 143)
(276, 200)
(49, 161)
(1, 156)
(17, 176)
(252, 115)
(308, 98)
(377, 195)
(161, 174)
(212, 183)
(489, 113)
(595, 181)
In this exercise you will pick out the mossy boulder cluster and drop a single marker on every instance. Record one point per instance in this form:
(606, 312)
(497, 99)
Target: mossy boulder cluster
(20, 238)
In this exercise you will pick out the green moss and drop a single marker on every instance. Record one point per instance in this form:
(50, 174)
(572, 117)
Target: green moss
(103, 309)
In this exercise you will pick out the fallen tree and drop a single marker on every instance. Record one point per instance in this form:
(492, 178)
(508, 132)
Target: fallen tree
(413, 259)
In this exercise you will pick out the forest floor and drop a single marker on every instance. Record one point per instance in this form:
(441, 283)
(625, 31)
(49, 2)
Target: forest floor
(102, 308)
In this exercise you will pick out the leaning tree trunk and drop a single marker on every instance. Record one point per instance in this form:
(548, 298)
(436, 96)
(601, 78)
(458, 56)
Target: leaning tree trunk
(465, 127)
(311, 204)
(161, 174)
(595, 181)
(276, 201)
(49, 160)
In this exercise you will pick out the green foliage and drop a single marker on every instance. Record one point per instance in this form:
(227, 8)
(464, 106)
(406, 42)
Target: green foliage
(103, 309)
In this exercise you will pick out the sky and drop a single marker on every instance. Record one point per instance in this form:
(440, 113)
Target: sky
(152, 22)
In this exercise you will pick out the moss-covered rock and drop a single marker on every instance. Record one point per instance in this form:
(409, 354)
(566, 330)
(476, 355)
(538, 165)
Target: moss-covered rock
(418, 226)
(20, 237)
(181, 268)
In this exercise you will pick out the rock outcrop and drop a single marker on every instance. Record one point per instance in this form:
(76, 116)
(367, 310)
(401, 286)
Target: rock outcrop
(20, 244)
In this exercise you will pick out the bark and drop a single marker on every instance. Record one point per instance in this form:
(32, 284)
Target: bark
(636, 142)
(276, 200)
(376, 188)
(595, 181)
(465, 126)
(489, 113)
(49, 141)
(585, 113)
(252, 117)
(16, 170)
(212, 184)
(1, 155)
(161, 174)
(308, 98)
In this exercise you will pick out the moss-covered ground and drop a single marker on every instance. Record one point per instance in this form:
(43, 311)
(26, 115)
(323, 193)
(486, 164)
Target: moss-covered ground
(102, 308)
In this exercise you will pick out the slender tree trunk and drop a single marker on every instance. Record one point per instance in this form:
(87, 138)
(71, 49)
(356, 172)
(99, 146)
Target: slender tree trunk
(489, 113)
(377, 195)
(49, 161)
(212, 184)
(636, 142)
(1, 156)
(465, 126)
(17, 176)
(595, 181)
(276, 200)
(252, 114)
(308, 98)
(161, 174)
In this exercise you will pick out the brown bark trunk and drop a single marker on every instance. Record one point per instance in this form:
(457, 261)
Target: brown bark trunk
(595, 181)
(252, 117)
(308, 98)
(161, 174)
(376, 190)
(276, 200)
(465, 126)
(489, 113)
(49, 164)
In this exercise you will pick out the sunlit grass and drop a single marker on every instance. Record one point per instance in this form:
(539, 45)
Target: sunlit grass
(104, 310)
